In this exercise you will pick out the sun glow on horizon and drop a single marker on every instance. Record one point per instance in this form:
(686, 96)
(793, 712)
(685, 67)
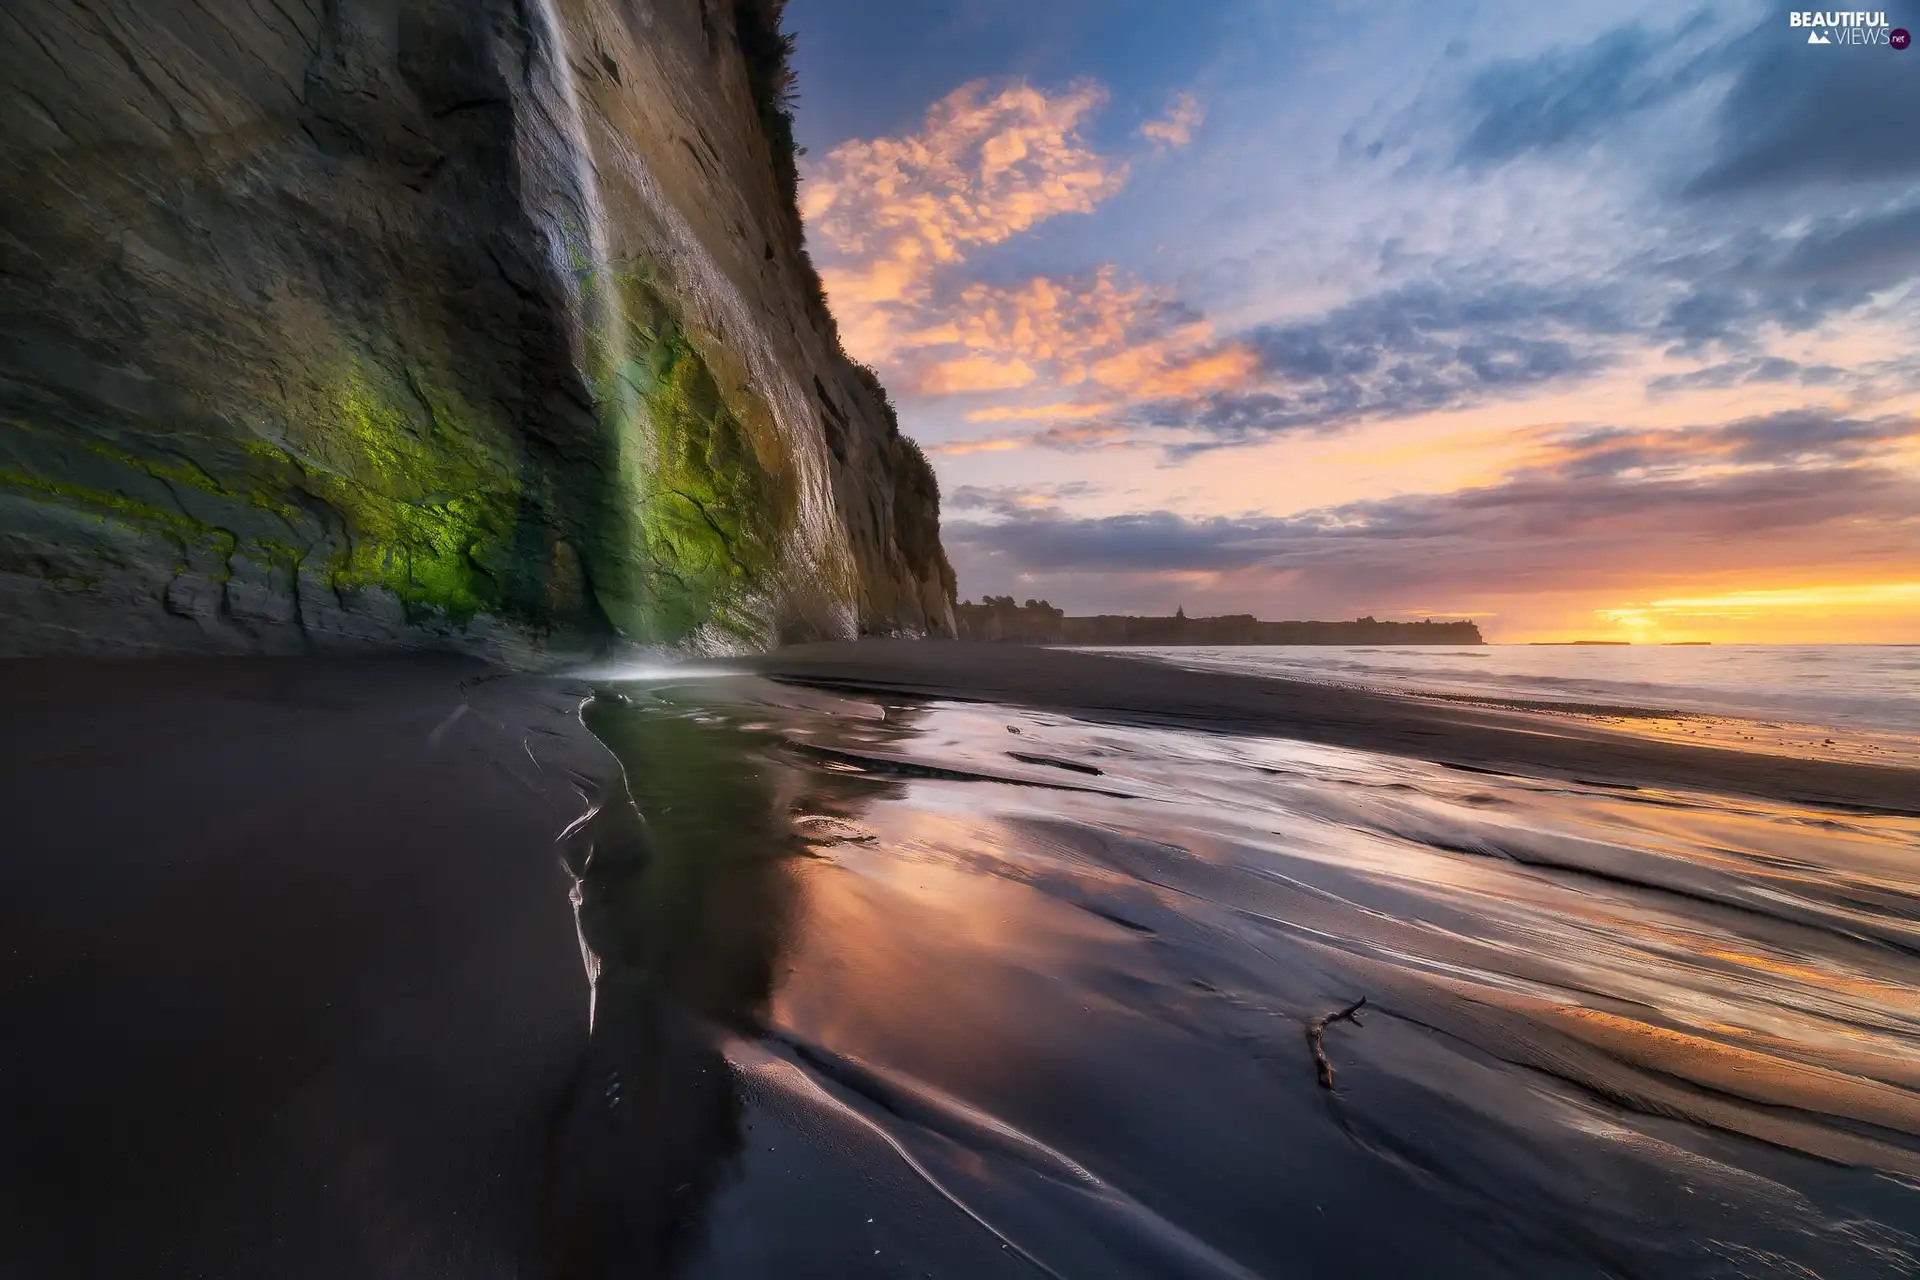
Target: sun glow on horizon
(1857, 613)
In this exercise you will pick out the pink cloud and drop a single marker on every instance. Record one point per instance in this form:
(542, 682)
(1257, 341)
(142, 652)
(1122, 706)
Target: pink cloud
(1175, 129)
(894, 220)
(985, 165)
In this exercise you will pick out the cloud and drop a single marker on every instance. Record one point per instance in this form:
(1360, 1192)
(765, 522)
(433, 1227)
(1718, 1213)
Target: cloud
(1066, 437)
(1154, 372)
(895, 218)
(992, 444)
(1740, 373)
(1145, 368)
(1116, 340)
(1050, 411)
(1797, 117)
(1145, 364)
(1794, 439)
(1574, 97)
(1868, 253)
(1104, 360)
(986, 164)
(1150, 366)
(1751, 160)
(1175, 367)
(1175, 129)
(1414, 349)
(1524, 532)
(1789, 117)
(1018, 502)
(1614, 508)
(1731, 292)
(1074, 439)
(1054, 321)
(974, 373)
(1467, 327)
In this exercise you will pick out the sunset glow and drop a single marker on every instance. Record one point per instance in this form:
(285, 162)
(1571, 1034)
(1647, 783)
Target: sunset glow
(1296, 317)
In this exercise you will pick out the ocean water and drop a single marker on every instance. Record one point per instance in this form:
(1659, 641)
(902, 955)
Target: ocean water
(1865, 699)
(924, 988)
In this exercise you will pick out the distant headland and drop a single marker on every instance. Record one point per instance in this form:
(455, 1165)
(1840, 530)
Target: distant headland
(999, 618)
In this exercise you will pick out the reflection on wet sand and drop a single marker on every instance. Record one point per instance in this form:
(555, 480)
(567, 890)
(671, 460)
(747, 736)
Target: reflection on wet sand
(887, 990)
(682, 916)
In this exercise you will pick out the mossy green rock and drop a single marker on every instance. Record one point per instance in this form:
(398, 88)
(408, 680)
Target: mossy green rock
(389, 323)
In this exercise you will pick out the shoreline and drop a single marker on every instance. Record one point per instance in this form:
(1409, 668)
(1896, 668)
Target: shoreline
(1138, 690)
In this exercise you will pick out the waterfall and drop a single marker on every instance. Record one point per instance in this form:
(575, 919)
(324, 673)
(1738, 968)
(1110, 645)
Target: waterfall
(570, 176)
(562, 189)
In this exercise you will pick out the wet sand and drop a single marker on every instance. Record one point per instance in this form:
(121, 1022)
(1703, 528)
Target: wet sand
(1124, 690)
(292, 982)
(289, 983)
(1065, 978)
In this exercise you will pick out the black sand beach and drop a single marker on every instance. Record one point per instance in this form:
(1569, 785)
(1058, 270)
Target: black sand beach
(293, 984)
(291, 980)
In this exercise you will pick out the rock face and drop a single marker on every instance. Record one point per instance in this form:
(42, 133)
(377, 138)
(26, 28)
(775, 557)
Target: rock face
(345, 323)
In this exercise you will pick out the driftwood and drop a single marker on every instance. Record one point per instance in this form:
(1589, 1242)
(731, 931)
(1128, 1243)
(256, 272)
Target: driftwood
(1316, 1033)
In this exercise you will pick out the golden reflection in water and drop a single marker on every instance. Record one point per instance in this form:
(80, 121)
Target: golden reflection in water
(1693, 955)
(922, 949)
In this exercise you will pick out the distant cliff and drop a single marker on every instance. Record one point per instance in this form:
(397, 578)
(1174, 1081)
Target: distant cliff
(398, 323)
(998, 618)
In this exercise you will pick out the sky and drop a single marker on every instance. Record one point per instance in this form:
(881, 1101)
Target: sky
(1584, 321)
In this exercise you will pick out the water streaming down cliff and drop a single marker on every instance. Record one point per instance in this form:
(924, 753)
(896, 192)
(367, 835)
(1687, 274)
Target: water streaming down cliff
(388, 324)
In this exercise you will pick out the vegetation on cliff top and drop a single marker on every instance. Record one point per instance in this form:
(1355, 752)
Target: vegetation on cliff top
(768, 53)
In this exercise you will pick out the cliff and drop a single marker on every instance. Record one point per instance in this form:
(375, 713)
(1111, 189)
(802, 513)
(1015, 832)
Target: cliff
(347, 323)
(1037, 622)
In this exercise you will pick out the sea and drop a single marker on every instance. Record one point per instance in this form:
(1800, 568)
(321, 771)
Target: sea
(927, 988)
(1824, 700)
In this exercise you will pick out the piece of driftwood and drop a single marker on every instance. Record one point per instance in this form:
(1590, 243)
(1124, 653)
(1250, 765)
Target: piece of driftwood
(1316, 1034)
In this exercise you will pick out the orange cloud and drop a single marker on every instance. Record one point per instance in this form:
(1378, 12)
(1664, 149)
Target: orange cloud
(984, 166)
(960, 448)
(1159, 371)
(975, 373)
(1056, 437)
(1176, 129)
(1053, 411)
(1122, 337)
(894, 218)
(1048, 320)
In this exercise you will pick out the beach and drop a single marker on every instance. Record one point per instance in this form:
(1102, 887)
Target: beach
(1121, 689)
(291, 978)
(935, 959)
